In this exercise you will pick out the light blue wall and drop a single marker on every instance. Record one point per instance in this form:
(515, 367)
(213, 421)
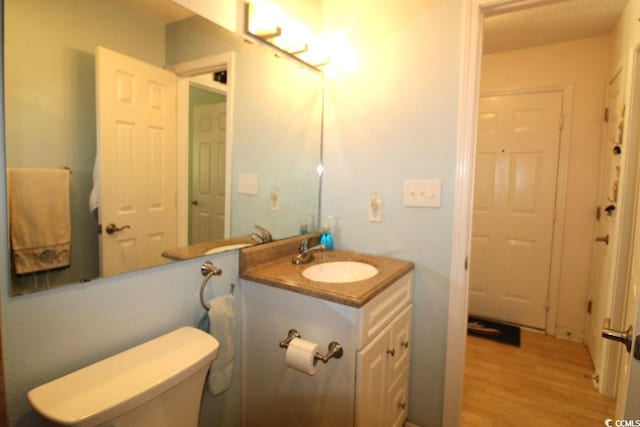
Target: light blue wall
(50, 88)
(276, 126)
(395, 118)
(48, 334)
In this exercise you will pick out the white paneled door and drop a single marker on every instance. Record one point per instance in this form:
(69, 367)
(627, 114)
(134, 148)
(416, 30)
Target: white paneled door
(514, 206)
(208, 172)
(136, 122)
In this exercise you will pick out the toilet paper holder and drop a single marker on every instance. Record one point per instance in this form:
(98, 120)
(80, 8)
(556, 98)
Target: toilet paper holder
(335, 349)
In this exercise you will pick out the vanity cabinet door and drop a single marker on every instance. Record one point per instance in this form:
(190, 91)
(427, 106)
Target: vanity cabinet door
(398, 408)
(382, 375)
(400, 343)
(398, 380)
(372, 381)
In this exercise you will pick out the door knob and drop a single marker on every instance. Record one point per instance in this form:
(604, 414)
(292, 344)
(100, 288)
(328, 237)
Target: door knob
(112, 228)
(194, 202)
(625, 337)
(604, 239)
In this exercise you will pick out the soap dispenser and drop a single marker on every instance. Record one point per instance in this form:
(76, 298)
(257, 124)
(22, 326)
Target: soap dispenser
(327, 238)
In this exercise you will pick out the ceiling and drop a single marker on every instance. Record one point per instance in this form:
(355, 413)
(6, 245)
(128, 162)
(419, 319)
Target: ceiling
(164, 11)
(556, 22)
(553, 23)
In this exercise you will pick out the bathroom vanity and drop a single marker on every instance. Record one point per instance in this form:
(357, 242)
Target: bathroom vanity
(370, 319)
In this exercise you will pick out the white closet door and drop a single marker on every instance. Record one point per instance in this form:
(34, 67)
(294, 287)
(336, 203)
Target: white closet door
(515, 190)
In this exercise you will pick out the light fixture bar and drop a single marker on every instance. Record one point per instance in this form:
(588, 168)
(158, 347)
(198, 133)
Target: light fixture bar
(299, 51)
(266, 38)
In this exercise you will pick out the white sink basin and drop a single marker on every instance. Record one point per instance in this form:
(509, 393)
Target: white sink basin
(340, 271)
(223, 248)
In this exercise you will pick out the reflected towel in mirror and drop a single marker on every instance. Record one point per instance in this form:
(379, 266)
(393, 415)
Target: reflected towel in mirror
(39, 219)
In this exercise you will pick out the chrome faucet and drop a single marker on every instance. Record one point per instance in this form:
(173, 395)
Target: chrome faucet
(262, 236)
(305, 253)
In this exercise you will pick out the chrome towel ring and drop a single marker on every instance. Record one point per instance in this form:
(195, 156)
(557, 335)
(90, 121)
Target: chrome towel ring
(209, 270)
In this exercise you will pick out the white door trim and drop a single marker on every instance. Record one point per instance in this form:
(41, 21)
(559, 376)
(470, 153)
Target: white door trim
(471, 55)
(185, 71)
(561, 190)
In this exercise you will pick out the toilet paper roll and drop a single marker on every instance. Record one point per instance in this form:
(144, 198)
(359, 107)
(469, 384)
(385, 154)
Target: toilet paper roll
(300, 356)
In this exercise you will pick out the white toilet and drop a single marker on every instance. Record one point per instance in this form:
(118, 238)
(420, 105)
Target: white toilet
(158, 383)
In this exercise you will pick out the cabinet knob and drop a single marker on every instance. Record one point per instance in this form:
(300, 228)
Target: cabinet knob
(405, 344)
(391, 352)
(402, 405)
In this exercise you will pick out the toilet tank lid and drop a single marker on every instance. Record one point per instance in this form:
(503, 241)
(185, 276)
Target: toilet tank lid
(121, 382)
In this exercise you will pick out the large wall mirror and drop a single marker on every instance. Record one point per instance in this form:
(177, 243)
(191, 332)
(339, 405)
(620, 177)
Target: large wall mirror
(252, 143)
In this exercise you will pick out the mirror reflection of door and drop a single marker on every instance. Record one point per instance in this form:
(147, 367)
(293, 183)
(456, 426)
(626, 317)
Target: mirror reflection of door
(207, 148)
(136, 122)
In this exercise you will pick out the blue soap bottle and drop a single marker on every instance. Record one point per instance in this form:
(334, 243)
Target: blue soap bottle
(326, 239)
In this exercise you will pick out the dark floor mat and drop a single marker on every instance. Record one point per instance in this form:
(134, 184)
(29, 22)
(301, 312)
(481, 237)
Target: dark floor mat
(493, 330)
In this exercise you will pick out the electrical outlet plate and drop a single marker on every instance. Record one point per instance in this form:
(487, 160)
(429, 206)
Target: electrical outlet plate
(375, 206)
(275, 200)
(422, 192)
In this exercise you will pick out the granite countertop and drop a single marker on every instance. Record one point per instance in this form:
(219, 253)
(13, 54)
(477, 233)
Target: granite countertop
(199, 249)
(281, 273)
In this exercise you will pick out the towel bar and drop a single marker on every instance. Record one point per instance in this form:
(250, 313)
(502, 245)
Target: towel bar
(208, 270)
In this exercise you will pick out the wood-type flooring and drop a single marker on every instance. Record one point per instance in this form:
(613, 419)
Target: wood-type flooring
(545, 382)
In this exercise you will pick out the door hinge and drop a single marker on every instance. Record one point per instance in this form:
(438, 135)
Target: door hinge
(547, 304)
(606, 115)
(589, 306)
(99, 228)
(466, 263)
(561, 121)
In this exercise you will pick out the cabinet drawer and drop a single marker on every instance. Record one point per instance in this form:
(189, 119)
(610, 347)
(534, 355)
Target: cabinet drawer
(379, 312)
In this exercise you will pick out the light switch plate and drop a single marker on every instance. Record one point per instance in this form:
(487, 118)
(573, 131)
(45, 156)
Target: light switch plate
(248, 184)
(422, 192)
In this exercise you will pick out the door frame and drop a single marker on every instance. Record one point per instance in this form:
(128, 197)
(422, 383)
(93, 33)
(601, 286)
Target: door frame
(561, 183)
(473, 14)
(467, 120)
(187, 73)
(626, 227)
(621, 238)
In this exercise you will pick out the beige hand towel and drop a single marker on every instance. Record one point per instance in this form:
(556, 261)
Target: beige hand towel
(39, 219)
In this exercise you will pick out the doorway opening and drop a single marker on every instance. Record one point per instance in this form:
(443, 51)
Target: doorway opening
(468, 120)
(206, 90)
(207, 168)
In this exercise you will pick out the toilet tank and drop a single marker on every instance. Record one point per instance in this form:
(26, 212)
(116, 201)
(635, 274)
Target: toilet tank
(158, 383)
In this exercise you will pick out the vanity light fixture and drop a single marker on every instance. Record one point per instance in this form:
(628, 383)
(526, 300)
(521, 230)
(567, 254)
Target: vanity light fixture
(271, 26)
